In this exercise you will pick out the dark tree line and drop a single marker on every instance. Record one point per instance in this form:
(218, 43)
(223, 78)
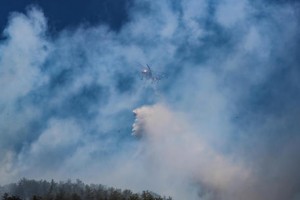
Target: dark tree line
(43, 190)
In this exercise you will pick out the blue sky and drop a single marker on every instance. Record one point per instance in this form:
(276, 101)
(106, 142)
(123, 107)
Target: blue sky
(69, 13)
(223, 124)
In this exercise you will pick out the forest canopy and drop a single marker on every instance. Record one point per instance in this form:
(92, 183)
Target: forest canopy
(67, 190)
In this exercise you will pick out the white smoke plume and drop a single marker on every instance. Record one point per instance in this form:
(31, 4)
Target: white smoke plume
(176, 148)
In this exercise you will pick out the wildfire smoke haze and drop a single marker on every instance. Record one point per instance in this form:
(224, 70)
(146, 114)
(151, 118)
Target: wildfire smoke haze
(224, 125)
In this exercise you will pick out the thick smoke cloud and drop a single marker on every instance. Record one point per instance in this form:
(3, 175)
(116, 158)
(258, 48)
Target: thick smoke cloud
(223, 125)
(170, 142)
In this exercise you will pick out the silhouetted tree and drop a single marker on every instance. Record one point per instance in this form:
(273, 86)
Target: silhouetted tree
(7, 197)
(34, 197)
(75, 197)
(134, 197)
